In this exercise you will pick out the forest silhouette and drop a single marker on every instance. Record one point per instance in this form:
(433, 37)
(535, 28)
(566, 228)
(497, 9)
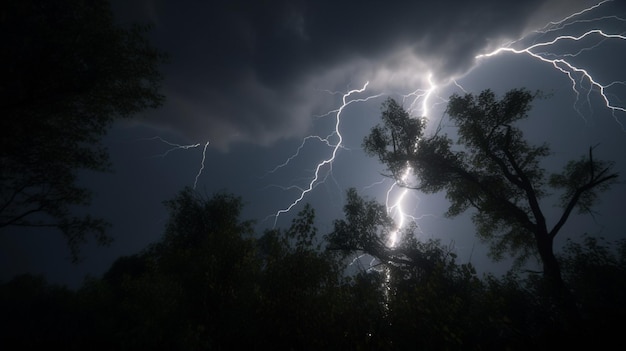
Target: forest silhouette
(211, 283)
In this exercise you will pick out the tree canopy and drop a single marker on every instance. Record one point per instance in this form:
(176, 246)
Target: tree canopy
(69, 72)
(492, 169)
(210, 282)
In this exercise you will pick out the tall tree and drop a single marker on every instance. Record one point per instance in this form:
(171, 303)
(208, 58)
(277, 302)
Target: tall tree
(69, 72)
(495, 171)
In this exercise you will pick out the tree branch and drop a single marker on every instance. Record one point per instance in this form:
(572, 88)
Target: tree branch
(577, 194)
(527, 187)
(519, 214)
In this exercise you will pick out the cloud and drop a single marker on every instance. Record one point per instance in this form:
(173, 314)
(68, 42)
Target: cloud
(245, 71)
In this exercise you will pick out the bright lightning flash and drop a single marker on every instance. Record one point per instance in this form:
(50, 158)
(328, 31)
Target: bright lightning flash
(395, 208)
(577, 75)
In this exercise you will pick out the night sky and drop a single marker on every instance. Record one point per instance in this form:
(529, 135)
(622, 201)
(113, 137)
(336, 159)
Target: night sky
(255, 79)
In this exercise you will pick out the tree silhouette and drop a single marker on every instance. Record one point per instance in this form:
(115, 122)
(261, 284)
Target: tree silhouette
(209, 283)
(69, 73)
(428, 300)
(496, 172)
(596, 272)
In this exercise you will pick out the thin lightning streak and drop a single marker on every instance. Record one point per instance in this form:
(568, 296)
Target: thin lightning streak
(297, 153)
(195, 183)
(374, 184)
(316, 178)
(459, 86)
(175, 146)
(286, 188)
(559, 24)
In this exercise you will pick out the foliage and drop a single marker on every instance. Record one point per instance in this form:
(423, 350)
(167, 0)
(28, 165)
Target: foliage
(70, 72)
(596, 271)
(300, 288)
(206, 263)
(495, 171)
(578, 177)
(209, 283)
(396, 139)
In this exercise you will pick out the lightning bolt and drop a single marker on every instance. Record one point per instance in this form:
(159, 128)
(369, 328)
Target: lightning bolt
(317, 174)
(563, 63)
(419, 97)
(195, 182)
(395, 208)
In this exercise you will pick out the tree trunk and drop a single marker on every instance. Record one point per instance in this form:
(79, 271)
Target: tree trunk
(551, 267)
(563, 298)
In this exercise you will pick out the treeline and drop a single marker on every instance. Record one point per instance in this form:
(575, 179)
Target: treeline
(212, 283)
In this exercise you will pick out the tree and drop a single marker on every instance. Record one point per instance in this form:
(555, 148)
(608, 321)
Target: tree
(496, 172)
(208, 259)
(427, 300)
(596, 271)
(210, 284)
(302, 289)
(69, 73)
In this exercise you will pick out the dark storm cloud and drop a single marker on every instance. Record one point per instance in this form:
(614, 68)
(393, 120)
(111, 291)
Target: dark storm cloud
(247, 70)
